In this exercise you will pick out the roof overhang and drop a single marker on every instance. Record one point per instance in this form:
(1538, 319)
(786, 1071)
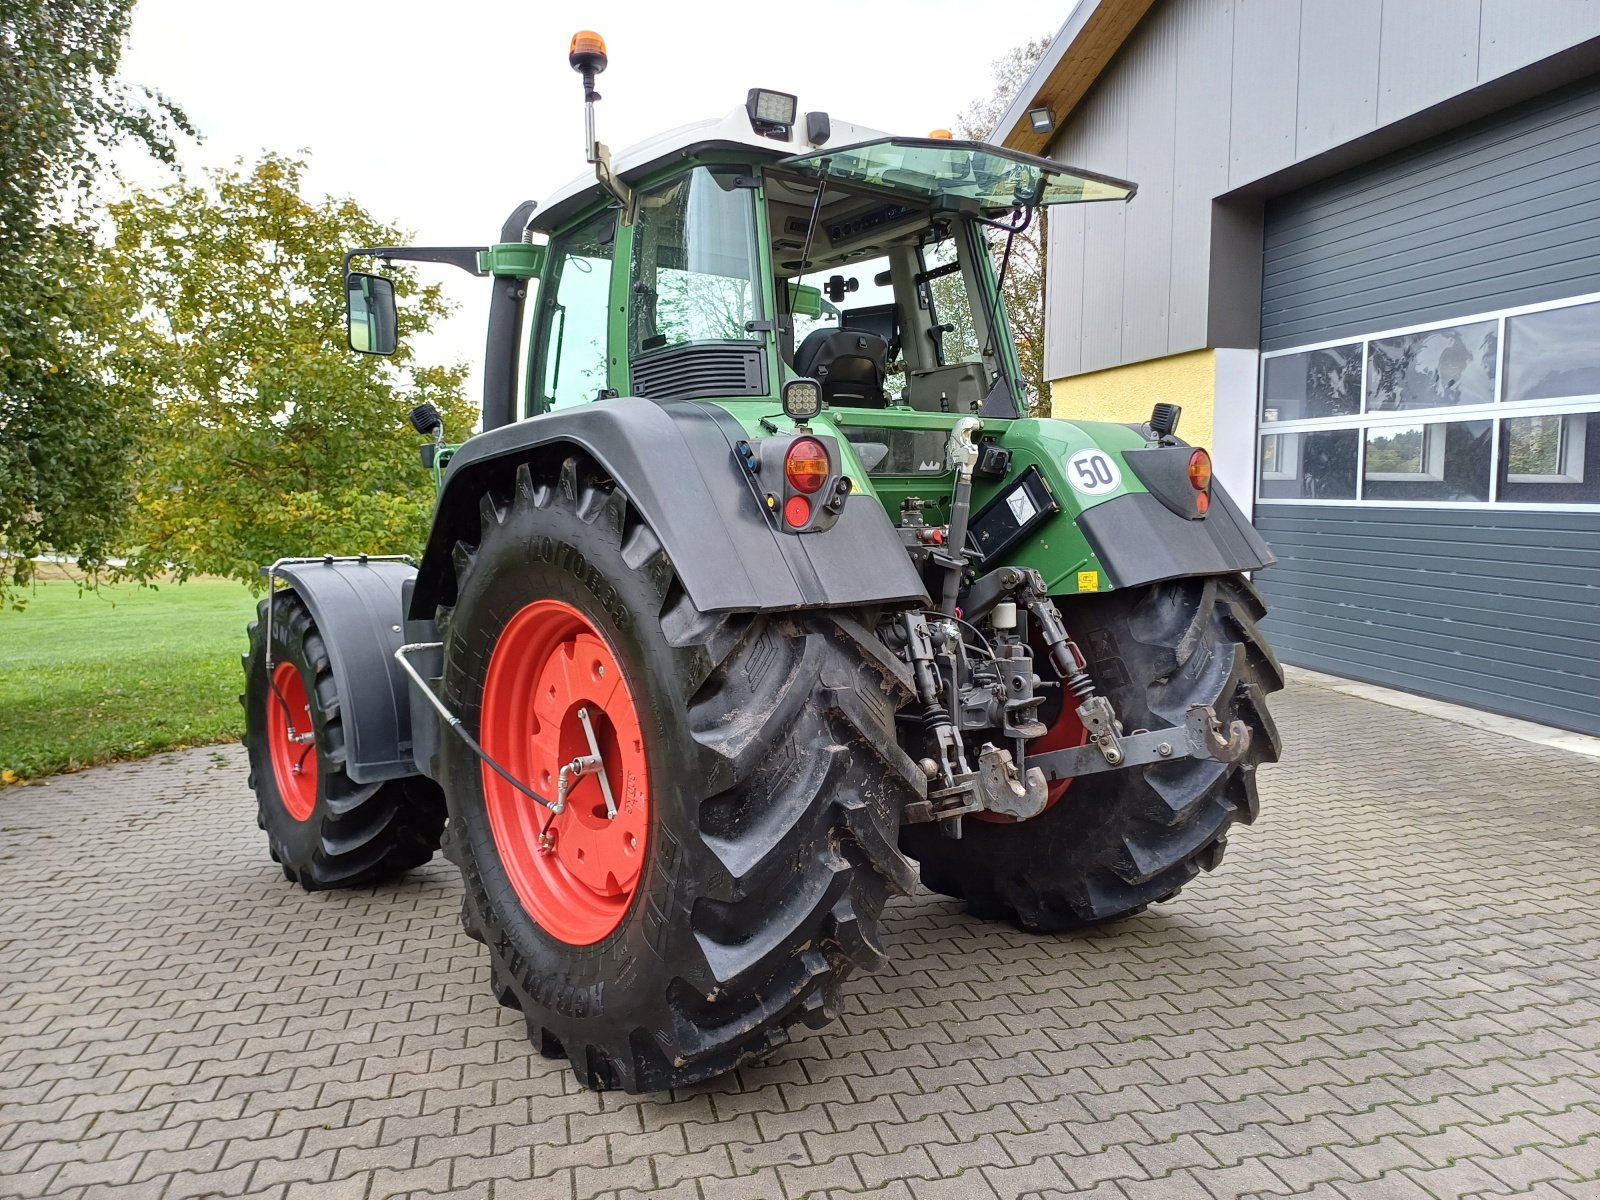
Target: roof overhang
(1093, 33)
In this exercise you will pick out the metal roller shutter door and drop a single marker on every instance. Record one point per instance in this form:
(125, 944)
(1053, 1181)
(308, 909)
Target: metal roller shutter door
(1494, 607)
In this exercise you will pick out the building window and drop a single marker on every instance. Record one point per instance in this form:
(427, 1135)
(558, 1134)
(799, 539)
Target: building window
(1432, 369)
(1420, 416)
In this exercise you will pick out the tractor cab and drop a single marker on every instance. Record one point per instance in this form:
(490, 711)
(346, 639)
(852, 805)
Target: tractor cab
(723, 259)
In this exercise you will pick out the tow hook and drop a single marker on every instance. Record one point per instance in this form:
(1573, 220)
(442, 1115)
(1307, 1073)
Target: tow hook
(1003, 792)
(1207, 738)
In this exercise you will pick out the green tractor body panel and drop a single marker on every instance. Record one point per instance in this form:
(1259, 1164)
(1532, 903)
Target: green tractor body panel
(1057, 549)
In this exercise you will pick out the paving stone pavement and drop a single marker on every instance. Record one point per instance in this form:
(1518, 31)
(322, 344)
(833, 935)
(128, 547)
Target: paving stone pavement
(1391, 989)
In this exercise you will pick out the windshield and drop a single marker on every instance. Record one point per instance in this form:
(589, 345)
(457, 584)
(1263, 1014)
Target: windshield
(996, 178)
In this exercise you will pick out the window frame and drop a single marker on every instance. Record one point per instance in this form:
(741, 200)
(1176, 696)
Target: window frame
(1497, 411)
(1569, 449)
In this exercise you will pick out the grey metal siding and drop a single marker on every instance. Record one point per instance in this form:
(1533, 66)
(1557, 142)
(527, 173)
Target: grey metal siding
(1498, 609)
(1252, 87)
(1503, 212)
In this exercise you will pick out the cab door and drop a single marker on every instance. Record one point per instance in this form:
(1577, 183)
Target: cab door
(570, 355)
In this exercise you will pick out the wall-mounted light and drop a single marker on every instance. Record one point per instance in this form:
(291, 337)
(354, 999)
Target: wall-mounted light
(1042, 120)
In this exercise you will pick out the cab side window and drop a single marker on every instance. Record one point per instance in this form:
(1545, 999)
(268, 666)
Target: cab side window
(569, 366)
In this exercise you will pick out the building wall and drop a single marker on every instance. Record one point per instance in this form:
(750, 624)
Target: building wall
(1208, 97)
(1502, 212)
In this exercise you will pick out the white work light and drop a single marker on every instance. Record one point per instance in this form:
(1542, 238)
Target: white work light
(1041, 119)
(771, 112)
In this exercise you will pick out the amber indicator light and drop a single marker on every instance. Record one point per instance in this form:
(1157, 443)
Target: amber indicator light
(806, 466)
(1200, 471)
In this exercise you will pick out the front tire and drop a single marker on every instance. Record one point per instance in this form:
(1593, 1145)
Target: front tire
(326, 830)
(752, 760)
(1116, 842)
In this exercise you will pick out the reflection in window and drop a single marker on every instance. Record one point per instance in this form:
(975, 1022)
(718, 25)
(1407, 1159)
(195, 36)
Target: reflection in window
(1444, 460)
(1404, 452)
(1310, 466)
(1553, 354)
(693, 263)
(1317, 383)
(1551, 460)
(1432, 369)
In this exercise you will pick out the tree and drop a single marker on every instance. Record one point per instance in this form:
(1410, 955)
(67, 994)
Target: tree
(1025, 270)
(269, 437)
(65, 428)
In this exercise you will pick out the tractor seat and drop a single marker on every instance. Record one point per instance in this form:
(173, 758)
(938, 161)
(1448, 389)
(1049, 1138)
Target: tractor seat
(849, 364)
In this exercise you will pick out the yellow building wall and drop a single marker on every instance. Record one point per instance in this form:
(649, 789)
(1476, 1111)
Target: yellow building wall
(1129, 393)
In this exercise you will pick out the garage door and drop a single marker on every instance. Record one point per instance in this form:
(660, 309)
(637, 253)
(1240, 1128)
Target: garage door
(1428, 455)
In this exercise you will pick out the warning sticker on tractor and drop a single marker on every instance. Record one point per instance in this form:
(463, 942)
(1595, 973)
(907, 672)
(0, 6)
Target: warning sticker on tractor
(1021, 506)
(1088, 581)
(1093, 473)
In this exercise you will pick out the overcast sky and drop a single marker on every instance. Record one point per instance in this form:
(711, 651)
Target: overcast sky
(441, 117)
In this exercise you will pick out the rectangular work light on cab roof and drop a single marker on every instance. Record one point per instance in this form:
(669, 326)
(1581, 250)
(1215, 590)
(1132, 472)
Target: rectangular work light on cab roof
(771, 113)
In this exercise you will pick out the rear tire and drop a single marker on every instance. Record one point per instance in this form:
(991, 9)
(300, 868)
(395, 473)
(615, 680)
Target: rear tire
(1120, 841)
(765, 807)
(326, 830)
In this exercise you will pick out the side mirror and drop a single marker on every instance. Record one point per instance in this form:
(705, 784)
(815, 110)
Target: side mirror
(370, 313)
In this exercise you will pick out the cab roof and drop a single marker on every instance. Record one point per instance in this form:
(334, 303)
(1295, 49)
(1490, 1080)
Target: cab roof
(729, 132)
(993, 178)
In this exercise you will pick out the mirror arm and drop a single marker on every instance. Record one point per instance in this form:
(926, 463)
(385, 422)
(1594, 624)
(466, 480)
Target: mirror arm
(465, 257)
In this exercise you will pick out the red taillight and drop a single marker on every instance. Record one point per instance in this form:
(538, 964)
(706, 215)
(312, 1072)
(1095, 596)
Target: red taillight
(1200, 471)
(1203, 502)
(797, 511)
(806, 466)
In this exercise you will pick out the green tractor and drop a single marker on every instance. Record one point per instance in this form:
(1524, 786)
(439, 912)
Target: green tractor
(760, 584)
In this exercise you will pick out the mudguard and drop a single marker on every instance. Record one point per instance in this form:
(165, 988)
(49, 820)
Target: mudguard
(675, 461)
(1141, 540)
(358, 607)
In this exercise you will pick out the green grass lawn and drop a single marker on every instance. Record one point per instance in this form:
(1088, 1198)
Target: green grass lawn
(119, 673)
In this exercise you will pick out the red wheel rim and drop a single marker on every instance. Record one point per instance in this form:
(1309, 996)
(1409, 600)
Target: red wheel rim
(1067, 732)
(294, 763)
(549, 663)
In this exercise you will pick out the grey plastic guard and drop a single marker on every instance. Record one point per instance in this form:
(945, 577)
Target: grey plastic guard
(357, 608)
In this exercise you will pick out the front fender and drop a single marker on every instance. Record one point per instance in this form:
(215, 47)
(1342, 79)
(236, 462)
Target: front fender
(357, 608)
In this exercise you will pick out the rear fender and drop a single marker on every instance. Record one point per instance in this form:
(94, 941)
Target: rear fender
(677, 464)
(1114, 530)
(357, 607)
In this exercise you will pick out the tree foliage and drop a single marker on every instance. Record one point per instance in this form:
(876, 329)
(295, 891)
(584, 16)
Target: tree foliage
(269, 437)
(65, 427)
(1025, 272)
